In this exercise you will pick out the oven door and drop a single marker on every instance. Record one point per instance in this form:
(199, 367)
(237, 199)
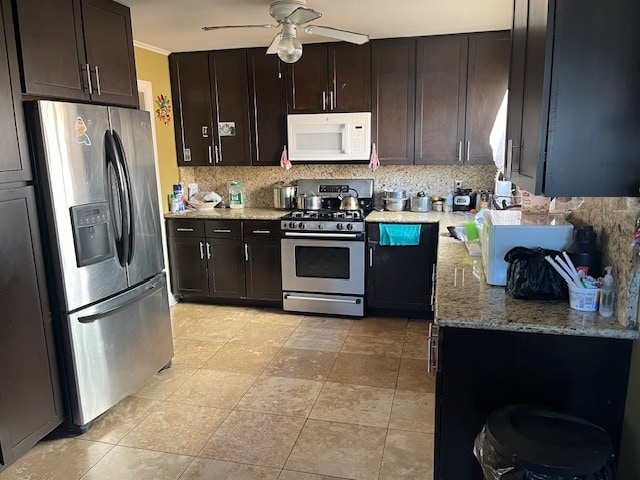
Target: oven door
(323, 263)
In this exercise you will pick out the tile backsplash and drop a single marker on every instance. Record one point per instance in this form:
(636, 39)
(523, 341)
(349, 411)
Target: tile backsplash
(258, 182)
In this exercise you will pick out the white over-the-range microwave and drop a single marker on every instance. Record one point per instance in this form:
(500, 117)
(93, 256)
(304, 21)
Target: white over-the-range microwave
(329, 137)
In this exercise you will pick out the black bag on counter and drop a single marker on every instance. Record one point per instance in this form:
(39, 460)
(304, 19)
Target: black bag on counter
(530, 276)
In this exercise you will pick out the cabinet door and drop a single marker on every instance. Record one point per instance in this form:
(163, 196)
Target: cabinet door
(30, 404)
(229, 93)
(440, 99)
(393, 99)
(226, 268)
(191, 92)
(109, 49)
(268, 107)
(262, 261)
(349, 77)
(188, 265)
(308, 90)
(52, 48)
(487, 79)
(14, 161)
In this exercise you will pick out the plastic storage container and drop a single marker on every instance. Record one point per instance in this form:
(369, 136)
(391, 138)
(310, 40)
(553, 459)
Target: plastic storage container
(236, 195)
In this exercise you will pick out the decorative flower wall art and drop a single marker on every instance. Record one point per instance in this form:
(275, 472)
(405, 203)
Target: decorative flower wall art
(163, 109)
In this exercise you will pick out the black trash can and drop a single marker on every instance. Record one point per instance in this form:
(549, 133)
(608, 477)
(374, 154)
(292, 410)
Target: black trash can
(531, 442)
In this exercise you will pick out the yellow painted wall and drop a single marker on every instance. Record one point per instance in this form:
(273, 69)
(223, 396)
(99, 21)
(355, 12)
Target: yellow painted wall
(154, 67)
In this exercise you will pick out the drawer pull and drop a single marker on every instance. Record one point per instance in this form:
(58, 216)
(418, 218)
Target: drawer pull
(266, 232)
(180, 229)
(221, 230)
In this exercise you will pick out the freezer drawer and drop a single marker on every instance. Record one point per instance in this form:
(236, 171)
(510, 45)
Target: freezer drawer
(115, 346)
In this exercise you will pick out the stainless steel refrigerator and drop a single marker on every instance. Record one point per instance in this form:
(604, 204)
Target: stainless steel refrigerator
(97, 178)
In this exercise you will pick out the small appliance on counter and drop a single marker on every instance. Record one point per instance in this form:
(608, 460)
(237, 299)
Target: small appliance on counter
(505, 229)
(462, 200)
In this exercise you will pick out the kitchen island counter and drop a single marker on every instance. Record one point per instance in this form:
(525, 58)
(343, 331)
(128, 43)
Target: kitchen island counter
(230, 214)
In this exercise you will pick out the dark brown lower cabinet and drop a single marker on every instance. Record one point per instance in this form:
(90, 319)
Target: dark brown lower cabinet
(30, 395)
(479, 371)
(213, 258)
(401, 277)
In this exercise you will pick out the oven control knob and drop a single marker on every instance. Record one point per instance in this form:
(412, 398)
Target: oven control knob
(292, 225)
(301, 226)
(349, 226)
(339, 226)
(320, 226)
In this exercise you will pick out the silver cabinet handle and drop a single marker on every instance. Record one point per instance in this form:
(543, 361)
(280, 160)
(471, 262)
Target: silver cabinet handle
(433, 287)
(332, 104)
(89, 79)
(432, 349)
(468, 150)
(246, 252)
(324, 100)
(98, 80)
(217, 155)
(221, 230)
(201, 251)
(208, 251)
(210, 155)
(265, 232)
(181, 229)
(370, 257)
(460, 151)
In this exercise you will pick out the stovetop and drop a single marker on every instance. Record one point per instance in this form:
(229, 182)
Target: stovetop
(326, 215)
(323, 221)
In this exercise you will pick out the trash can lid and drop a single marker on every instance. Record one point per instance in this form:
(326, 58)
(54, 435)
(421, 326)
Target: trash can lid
(546, 440)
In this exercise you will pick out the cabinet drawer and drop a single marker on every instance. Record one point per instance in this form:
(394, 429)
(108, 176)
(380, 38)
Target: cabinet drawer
(223, 229)
(185, 228)
(262, 229)
(428, 233)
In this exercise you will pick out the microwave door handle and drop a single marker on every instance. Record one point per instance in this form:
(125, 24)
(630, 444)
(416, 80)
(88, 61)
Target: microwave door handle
(346, 145)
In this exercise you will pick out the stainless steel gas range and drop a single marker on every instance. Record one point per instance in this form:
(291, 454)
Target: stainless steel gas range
(323, 251)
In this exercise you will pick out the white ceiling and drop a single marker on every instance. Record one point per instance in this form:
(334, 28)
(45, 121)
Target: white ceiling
(175, 25)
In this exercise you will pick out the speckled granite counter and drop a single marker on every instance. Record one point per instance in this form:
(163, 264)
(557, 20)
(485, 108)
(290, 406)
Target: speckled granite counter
(230, 214)
(419, 217)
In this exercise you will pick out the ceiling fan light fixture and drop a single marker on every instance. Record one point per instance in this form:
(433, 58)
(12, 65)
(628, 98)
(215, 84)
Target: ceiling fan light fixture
(289, 47)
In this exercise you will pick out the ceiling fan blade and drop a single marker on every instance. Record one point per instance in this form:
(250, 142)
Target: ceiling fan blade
(273, 48)
(351, 37)
(220, 27)
(302, 15)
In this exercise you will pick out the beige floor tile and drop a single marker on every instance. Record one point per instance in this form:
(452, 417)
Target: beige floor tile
(415, 346)
(338, 449)
(413, 376)
(254, 438)
(277, 317)
(237, 313)
(418, 325)
(357, 404)
(291, 475)
(113, 425)
(211, 388)
(124, 463)
(43, 462)
(375, 371)
(212, 328)
(339, 323)
(206, 469)
(413, 411)
(380, 326)
(194, 353)
(280, 395)
(388, 344)
(407, 455)
(301, 363)
(237, 357)
(176, 428)
(164, 383)
(326, 339)
(263, 334)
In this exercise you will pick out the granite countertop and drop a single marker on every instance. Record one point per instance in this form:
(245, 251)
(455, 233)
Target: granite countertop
(230, 214)
(457, 218)
(464, 300)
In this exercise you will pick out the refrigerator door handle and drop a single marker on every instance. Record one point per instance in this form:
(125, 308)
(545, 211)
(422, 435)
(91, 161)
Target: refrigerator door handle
(118, 189)
(122, 159)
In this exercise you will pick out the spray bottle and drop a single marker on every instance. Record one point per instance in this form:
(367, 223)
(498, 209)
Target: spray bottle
(607, 295)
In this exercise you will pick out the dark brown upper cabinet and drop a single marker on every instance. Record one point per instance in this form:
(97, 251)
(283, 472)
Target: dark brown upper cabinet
(333, 77)
(574, 92)
(267, 106)
(14, 161)
(211, 108)
(461, 82)
(393, 70)
(77, 50)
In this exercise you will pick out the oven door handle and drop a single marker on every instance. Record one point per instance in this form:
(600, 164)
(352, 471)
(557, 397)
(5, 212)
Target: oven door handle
(321, 235)
(321, 299)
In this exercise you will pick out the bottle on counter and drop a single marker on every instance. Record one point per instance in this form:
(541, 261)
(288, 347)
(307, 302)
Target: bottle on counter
(448, 203)
(236, 195)
(607, 295)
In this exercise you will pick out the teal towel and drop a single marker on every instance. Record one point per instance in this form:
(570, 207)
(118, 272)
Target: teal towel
(399, 234)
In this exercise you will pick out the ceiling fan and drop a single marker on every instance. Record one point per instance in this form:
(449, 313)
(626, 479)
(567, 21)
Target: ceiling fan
(291, 14)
